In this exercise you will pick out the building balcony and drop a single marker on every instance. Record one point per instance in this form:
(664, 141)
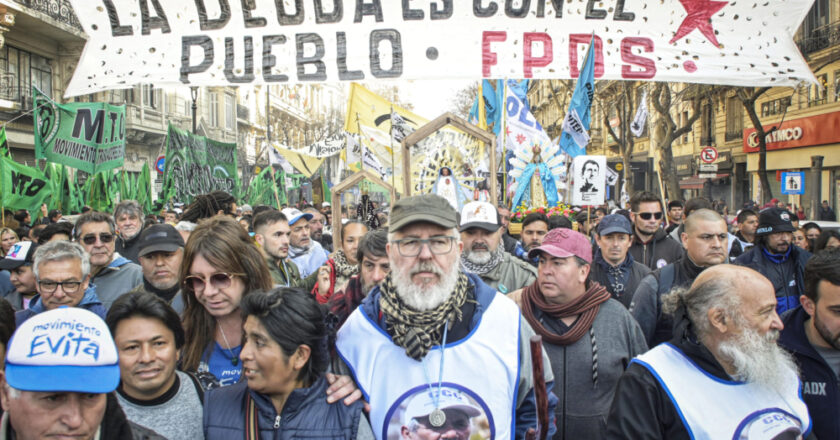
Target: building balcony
(820, 38)
(58, 10)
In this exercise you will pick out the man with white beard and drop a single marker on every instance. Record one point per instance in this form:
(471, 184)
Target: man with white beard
(431, 329)
(722, 375)
(484, 254)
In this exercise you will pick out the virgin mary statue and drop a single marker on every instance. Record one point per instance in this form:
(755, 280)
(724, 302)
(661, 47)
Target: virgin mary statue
(447, 187)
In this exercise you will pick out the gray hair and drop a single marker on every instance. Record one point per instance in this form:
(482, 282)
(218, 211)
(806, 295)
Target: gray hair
(130, 207)
(185, 226)
(58, 251)
(714, 293)
(92, 217)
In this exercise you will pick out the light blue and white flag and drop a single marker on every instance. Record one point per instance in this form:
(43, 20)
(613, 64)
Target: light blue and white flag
(578, 118)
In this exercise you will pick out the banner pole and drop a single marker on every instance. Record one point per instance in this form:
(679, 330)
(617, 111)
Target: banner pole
(503, 132)
(274, 185)
(392, 146)
(361, 144)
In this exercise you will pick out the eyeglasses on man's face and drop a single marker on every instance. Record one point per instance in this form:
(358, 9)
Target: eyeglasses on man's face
(438, 245)
(104, 237)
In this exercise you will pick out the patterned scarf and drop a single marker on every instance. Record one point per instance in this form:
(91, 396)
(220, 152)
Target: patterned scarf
(586, 306)
(480, 269)
(417, 332)
(342, 266)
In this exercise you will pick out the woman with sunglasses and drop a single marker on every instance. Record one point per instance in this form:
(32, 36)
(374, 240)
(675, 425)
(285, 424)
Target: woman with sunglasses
(221, 266)
(284, 358)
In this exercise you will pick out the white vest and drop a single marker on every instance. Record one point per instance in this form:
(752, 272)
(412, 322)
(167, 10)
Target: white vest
(713, 408)
(481, 372)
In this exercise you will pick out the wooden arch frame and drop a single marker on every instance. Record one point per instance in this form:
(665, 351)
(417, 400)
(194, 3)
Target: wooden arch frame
(436, 124)
(342, 186)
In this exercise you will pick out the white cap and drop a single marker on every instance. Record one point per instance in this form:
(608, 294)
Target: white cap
(480, 215)
(294, 214)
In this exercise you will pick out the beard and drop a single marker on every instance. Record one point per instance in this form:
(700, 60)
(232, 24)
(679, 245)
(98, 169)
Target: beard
(825, 333)
(426, 296)
(758, 359)
(479, 254)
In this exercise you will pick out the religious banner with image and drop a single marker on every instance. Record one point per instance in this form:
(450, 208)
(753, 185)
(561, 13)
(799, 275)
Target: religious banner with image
(198, 165)
(590, 178)
(89, 136)
(233, 43)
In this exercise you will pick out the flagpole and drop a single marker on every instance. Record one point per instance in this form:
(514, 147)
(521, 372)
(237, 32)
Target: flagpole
(361, 144)
(393, 184)
(274, 185)
(503, 132)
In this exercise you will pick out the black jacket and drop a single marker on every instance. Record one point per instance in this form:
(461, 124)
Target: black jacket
(658, 252)
(510, 243)
(819, 382)
(647, 301)
(787, 277)
(600, 272)
(827, 214)
(642, 409)
(129, 248)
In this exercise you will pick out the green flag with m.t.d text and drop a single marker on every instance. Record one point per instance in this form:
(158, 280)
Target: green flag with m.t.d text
(89, 136)
(23, 187)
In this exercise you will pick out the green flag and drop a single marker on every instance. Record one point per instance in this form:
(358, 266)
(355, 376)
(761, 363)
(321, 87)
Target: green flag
(89, 136)
(99, 193)
(197, 165)
(143, 189)
(23, 187)
(4, 144)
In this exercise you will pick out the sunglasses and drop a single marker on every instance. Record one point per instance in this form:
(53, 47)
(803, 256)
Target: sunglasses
(219, 280)
(90, 239)
(648, 215)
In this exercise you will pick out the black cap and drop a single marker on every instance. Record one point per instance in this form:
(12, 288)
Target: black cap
(21, 253)
(772, 220)
(429, 208)
(159, 238)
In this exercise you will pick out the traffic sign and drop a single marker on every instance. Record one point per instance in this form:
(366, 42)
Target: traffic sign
(793, 183)
(708, 154)
(159, 164)
(707, 175)
(708, 167)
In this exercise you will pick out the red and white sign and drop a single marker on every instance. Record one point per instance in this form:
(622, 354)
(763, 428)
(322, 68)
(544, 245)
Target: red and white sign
(708, 154)
(794, 133)
(200, 43)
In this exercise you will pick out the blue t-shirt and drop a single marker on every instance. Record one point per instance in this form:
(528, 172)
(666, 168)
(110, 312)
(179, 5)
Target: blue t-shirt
(219, 363)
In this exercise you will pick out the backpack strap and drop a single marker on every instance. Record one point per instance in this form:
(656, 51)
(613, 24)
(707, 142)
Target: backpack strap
(198, 388)
(251, 422)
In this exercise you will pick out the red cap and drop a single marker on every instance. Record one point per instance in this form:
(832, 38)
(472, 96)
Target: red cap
(564, 243)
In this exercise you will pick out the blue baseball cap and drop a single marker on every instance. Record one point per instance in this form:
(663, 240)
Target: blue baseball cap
(65, 349)
(614, 223)
(293, 215)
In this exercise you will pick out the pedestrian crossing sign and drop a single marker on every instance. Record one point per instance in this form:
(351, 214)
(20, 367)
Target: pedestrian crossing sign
(793, 183)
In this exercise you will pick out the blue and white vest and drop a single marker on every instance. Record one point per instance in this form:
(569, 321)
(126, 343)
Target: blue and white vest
(480, 376)
(713, 408)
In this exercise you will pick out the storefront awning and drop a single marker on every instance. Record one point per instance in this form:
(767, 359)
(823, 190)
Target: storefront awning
(695, 182)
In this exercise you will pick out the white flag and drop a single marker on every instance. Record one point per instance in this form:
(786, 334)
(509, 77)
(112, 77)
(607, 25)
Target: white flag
(399, 128)
(275, 158)
(638, 125)
(574, 126)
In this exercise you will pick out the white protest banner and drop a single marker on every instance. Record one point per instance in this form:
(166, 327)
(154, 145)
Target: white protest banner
(330, 146)
(231, 43)
(589, 180)
(612, 176)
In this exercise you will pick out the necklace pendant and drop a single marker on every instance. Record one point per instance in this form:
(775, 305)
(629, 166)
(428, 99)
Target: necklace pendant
(437, 418)
(234, 361)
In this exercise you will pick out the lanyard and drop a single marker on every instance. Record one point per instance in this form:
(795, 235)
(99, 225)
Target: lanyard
(437, 418)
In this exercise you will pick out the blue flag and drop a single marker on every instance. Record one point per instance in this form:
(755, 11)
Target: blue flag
(493, 102)
(577, 121)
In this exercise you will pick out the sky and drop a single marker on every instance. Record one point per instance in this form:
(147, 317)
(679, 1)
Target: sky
(432, 98)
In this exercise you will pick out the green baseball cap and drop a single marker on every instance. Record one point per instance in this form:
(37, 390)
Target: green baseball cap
(430, 208)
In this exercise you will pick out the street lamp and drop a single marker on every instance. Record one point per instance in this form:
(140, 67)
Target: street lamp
(194, 95)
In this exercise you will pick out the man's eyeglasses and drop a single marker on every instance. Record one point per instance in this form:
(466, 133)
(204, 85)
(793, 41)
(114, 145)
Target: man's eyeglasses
(219, 280)
(66, 286)
(648, 215)
(411, 247)
(90, 239)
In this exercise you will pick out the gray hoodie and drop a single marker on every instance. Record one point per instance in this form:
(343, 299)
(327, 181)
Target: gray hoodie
(583, 405)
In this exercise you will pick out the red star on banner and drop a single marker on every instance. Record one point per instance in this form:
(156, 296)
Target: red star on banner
(699, 17)
(520, 138)
(507, 131)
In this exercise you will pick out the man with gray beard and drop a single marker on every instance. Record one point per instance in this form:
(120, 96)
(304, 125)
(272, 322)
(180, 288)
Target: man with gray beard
(484, 254)
(429, 329)
(722, 375)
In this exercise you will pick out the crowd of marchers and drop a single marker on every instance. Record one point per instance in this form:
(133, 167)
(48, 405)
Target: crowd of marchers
(218, 321)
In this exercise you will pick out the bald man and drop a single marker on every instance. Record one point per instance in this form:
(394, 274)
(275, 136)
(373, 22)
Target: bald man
(704, 238)
(722, 375)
